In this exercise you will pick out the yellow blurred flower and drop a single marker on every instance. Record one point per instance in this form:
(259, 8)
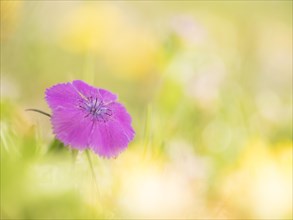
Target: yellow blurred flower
(102, 29)
(150, 188)
(261, 187)
(10, 11)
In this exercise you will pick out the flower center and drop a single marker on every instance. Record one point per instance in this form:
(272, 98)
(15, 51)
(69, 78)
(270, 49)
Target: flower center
(95, 109)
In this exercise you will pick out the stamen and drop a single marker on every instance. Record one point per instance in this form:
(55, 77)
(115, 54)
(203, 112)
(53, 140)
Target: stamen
(96, 109)
(108, 112)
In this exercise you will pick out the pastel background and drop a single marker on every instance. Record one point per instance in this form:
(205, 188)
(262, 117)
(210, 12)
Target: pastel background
(209, 88)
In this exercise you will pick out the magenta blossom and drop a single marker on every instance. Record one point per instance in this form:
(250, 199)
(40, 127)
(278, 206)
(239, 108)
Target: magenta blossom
(87, 117)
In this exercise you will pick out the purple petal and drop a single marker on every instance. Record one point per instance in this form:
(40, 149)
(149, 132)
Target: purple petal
(107, 96)
(84, 89)
(121, 116)
(62, 95)
(109, 139)
(72, 128)
(87, 91)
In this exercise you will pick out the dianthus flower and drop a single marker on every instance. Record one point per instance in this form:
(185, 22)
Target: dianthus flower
(87, 117)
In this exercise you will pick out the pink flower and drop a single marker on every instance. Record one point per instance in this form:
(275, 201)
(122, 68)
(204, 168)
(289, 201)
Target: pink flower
(87, 117)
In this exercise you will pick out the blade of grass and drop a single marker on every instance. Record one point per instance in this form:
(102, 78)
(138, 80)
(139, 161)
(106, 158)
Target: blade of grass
(147, 130)
(39, 111)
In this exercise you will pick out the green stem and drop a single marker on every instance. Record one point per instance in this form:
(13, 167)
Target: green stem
(92, 168)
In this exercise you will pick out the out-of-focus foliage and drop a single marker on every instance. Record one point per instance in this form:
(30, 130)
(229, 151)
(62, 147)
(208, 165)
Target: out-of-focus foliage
(209, 87)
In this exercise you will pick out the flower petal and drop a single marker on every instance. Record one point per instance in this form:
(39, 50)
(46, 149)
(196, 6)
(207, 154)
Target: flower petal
(62, 96)
(72, 128)
(109, 139)
(121, 116)
(85, 90)
(107, 96)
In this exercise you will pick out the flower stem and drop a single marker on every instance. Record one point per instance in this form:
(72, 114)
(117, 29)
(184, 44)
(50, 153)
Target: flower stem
(39, 111)
(92, 168)
(97, 195)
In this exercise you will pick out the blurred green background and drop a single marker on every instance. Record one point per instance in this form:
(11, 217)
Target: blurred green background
(209, 87)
